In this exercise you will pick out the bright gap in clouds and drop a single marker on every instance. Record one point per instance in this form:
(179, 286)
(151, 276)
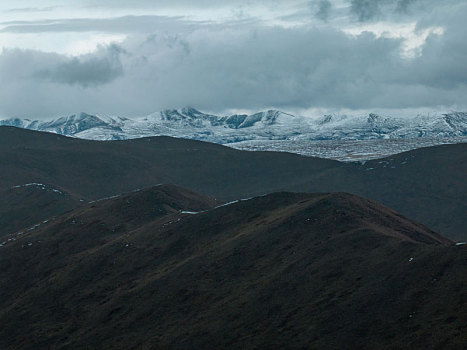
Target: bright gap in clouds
(413, 40)
(80, 42)
(71, 44)
(90, 44)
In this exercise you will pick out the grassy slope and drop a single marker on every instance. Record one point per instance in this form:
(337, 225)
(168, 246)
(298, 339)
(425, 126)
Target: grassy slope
(284, 270)
(426, 185)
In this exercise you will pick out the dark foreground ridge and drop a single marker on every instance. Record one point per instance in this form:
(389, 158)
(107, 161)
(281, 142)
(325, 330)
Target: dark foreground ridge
(167, 268)
(26, 205)
(427, 185)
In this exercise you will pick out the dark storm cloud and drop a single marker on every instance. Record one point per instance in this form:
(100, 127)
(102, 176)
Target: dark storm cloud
(30, 69)
(231, 68)
(90, 70)
(242, 65)
(403, 5)
(366, 10)
(323, 9)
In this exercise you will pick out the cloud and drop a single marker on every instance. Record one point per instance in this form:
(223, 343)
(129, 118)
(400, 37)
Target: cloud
(170, 63)
(367, 10)
(125, 24)
(33, 9)
(323, 10)
(89, 70)
(403, 5)
(199, 4)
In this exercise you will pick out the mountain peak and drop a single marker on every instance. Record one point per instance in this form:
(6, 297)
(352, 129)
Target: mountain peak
(190, 111)
(83, 115)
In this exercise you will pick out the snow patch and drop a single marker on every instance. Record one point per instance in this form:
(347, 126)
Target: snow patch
(233, 202)
(219, 206)
(102, 199)
(41, 186)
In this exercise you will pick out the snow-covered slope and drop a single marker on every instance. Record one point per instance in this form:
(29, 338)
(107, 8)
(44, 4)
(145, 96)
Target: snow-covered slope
(269, 125)
(69, 126)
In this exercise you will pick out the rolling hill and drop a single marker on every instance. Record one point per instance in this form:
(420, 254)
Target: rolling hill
(426, 184)
(167, 268)
(30, 204)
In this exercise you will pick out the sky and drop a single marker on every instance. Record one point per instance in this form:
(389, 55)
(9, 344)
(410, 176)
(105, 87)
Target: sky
(135, 57)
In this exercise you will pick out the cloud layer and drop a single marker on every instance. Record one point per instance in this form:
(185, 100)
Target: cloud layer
(246, 64)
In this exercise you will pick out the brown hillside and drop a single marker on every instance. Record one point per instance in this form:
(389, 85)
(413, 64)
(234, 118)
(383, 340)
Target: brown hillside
(30, 204)
(427, 185)
(279, 271)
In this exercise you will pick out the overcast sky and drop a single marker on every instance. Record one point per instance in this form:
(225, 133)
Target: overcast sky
(134, 57)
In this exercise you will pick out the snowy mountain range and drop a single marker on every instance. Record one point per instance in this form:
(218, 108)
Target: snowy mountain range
(269, 125)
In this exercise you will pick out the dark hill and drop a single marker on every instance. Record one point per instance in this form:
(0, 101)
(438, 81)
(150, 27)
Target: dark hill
(425, 184)
(29, 204)
(428, 185)
(96, 169)
(279, 271)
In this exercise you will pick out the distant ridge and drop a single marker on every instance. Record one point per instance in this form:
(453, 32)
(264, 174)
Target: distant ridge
(268, 125)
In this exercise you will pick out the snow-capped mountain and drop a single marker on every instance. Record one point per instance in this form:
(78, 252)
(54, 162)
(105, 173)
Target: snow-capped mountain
(69, 126)
(269, 125)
